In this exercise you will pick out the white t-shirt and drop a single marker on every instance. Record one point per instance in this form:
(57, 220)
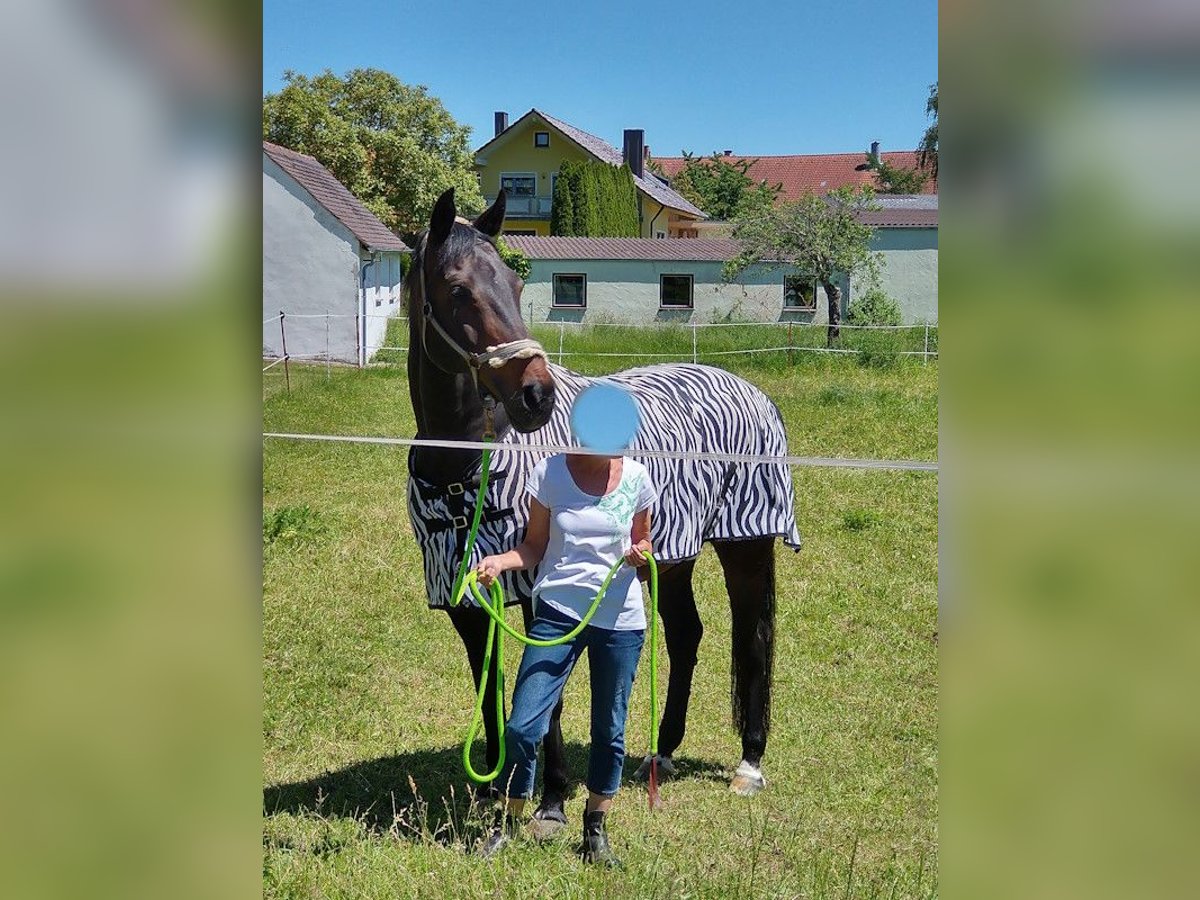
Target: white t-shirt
(587, 535)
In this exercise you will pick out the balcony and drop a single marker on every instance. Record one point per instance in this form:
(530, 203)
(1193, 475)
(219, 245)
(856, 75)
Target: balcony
(525, 207)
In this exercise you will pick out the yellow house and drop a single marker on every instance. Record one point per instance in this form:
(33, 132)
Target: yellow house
(523, 159)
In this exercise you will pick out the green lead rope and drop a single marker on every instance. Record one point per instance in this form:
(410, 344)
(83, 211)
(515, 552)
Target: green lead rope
(469, 580)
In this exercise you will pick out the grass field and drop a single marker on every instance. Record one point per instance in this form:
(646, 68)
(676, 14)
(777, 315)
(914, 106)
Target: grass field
(367, 693)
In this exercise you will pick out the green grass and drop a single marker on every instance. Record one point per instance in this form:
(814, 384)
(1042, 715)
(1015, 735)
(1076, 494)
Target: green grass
(367, 693)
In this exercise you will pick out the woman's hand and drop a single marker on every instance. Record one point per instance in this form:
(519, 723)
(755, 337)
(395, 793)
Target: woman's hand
(489, 570)
(635, 555)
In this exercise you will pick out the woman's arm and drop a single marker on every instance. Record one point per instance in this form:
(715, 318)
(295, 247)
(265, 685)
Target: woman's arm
(639, 533)
(527, 554)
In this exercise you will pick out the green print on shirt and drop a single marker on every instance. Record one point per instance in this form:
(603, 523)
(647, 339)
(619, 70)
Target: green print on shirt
(620, 504)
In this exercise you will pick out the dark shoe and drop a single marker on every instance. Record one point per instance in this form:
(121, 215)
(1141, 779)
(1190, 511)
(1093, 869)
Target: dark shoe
(502, 833)
(595, 848)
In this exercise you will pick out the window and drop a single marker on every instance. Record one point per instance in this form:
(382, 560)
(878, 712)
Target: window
(799, 292)
(675, 291)
(570, 290)
(518, 184)
(660, 234)
(541, 139)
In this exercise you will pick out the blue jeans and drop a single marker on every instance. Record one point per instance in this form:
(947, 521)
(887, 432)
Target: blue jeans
(612, 661)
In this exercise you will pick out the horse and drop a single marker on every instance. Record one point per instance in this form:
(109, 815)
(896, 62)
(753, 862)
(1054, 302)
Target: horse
(472, 368)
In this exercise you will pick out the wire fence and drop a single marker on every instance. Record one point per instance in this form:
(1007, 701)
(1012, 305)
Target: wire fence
(580, 341)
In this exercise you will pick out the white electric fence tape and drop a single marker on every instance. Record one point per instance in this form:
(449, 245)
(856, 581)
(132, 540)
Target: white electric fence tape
(831, 462)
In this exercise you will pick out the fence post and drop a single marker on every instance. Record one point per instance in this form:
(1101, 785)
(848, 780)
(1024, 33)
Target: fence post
(327, 373)
(790, 343)
(562, 326)
(695, 352)
(287, 375)
(926, 358)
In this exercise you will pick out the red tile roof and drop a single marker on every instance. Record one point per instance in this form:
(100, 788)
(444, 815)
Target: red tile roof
(665, 249)
(335, 197)
(817, 173)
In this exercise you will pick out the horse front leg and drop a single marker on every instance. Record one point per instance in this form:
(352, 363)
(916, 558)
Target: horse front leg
(750, 580)
(472, 626)
(550, 817)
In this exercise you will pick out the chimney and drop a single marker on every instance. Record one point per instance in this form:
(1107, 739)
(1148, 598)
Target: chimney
(729, 153)
(501, 123)
(635, 142)
(875, 151)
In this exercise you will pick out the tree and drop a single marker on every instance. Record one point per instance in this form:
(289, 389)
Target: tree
(927, 151)
(896, 179)
(394, 146)
(562, 204)
(592, 199)
(821, 236)
(721, 187)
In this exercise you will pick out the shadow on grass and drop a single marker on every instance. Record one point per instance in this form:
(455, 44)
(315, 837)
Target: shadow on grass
(425, 794)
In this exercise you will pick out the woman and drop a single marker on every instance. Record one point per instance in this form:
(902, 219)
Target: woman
(586, 513)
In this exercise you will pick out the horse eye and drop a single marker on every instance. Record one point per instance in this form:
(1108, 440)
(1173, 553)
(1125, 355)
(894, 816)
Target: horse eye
(458, 292)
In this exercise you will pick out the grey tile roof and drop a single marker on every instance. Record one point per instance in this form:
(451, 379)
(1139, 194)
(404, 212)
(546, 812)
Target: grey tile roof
(901, 217)
(649, 183)
(907, 201)
(335, 197)
(663, 249)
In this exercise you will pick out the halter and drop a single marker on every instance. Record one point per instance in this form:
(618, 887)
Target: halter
(493, 357)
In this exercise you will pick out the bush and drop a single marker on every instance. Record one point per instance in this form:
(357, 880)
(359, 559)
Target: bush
(514, 259)
(874, 308)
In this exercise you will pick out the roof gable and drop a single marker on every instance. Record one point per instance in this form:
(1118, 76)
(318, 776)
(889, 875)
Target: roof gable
(649, 184)
(335, 197)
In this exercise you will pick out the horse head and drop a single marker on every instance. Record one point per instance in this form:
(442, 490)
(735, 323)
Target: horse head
(469, 304)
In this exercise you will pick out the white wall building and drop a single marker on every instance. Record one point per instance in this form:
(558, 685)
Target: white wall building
(329, 264)
(643, 280)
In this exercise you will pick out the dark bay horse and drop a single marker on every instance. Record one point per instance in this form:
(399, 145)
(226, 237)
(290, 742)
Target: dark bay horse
(470, 354)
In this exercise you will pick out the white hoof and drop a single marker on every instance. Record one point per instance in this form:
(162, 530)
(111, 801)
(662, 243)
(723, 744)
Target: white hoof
(666, 769)
(747, 781)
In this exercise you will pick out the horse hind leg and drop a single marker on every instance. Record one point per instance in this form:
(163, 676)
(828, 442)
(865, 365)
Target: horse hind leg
(682, 630)
(749, 567)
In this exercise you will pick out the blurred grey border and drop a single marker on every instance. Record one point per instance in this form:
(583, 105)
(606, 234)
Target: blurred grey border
(129, 556)
(129, 262)
(1069, 472)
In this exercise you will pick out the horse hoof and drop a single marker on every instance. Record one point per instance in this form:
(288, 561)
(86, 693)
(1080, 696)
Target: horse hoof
(747, 781)
(666, 769)
(547, 823)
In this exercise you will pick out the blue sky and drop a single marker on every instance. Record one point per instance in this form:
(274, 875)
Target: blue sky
(824, 76)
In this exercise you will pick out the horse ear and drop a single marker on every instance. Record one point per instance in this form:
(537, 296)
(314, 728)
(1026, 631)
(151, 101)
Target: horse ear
(442, 219)
(492, 218)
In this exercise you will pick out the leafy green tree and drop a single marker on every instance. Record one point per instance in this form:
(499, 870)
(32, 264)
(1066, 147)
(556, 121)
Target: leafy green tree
(721, 187)
(514, 258)
(393, 145)
(927, 151)
(896, 179)
(820, 236)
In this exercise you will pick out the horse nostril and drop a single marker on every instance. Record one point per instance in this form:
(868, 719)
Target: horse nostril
(533, 394)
